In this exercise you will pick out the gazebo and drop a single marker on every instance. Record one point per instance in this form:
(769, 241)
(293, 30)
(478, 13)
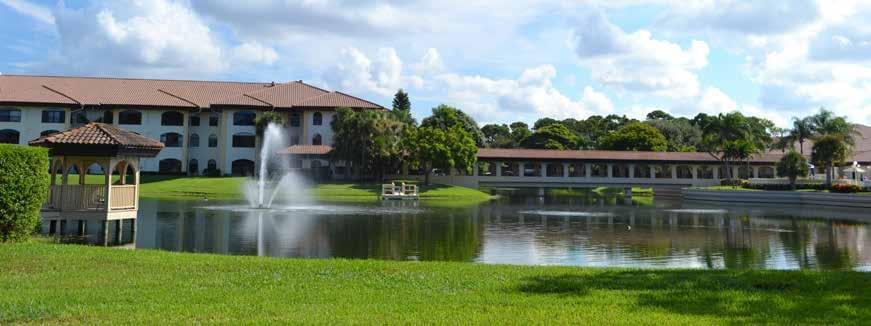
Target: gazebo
(110, 196)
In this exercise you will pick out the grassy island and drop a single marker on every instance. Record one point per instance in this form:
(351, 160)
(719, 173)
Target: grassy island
(229, 188)
(67, 284)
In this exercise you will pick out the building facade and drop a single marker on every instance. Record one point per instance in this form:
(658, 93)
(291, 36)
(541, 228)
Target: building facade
(206, 126)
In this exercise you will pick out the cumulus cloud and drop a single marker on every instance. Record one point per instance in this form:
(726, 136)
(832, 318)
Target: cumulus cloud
(636, 62)
(746, 17)
(355, 71)
(37, 12)
(253, 52)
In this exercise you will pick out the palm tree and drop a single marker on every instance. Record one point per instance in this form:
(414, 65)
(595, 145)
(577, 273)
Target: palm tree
(829, 151)
(802, 130)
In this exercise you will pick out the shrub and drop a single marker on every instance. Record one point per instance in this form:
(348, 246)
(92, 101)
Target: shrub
(846, 188)
(735, 183)
(786, 187)
(212, 172)
(24, 179)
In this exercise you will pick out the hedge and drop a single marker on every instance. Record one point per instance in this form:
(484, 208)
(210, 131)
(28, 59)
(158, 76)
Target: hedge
(24, 183)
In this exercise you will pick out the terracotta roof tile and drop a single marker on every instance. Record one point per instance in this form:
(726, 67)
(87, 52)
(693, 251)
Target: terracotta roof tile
(338, 99)
(100, 135)
(306, 150)
(164, 93)
(543, 154)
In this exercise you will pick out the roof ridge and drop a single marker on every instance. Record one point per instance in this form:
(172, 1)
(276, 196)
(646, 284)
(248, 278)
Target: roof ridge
(312, 86)
(61, 94)
(258, 99)
(178, 97)
(352, 96)
(102, 128)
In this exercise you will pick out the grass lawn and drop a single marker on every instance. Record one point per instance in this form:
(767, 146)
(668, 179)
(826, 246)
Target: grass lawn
(169, 187)
(70, 284)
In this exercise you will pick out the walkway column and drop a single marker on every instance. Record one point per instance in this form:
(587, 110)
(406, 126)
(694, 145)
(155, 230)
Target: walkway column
(695, 171)
(475, 169)
(736, 172)
(716, 172)
(587, 169)
(499, 169)
(631, 171)
(521, 169)
(755, 172)
(610, 168)
(673, 169)
(543, 167)
(566, 170)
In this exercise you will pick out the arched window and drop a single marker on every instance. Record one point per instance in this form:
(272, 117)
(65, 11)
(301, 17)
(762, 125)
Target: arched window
(171, 139)
(294, 119)
(195, 140)
(107, 117)
(244, 118)
(172, 118)
(243, 139)
(54, 116)
(169, 165)
(214, 118)
(9, 136)
(242, 167)
(48, 132)
(10, 115)
(130, 117)
(317, 119)
(194, 120)
(213, 140)
(316, 140)
(193, 166)
(211, 165)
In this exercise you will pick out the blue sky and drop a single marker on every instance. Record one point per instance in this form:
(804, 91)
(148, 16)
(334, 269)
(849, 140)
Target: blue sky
(499, 61)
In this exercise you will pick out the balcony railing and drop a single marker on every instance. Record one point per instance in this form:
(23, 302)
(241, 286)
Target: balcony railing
(90, 197)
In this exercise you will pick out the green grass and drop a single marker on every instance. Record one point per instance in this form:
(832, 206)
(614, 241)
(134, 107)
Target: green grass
(69, 284)
(229, 188)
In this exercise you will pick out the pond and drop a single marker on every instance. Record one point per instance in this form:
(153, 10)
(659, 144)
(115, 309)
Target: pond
(522, 228)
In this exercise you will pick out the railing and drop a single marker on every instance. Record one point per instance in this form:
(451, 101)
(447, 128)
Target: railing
(123, 197)
(391, 190)
(80, 197)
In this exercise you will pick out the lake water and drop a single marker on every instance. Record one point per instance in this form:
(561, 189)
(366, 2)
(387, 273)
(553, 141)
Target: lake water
(522, 228)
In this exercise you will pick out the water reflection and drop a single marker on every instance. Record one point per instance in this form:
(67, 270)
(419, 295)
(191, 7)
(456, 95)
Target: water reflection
(521, 229)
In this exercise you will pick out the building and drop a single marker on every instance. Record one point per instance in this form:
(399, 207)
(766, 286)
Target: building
(205, 125)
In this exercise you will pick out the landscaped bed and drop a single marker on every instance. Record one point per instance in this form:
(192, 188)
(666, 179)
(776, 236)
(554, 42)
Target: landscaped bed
(48, 283)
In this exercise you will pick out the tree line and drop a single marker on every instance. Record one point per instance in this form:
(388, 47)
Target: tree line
(376, 143)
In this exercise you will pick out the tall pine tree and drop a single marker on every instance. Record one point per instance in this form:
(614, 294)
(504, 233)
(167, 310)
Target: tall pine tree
(402, 108)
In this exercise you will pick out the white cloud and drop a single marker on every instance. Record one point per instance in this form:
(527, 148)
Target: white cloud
(253, 52)
(35, 11)
(758, 17)
(355, 71)
(636, 62)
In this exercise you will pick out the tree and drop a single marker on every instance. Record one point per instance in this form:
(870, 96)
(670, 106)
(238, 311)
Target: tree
(681, 134)
(544, 122)
(802, 130)
(497, 136)
(369, 140)
(265, 119)
(519, 132)
(553, 136)
(732, 137)
(792, 166)
(402, 108)
(659, 115)
(826, 123)
(445, 117)
(635, 137)
(443, 149)
(828, 151)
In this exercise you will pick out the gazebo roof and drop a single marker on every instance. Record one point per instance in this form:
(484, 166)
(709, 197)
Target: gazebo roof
(99, 139)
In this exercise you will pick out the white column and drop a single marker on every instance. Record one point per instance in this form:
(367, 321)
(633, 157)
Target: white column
(499, 169)
(695, 170)
(631, 171)
(543, 171)
(521, 167)
(673, 169)
(565, 170)
(755, 172)
(716, 172)
(587, 169)
(610, 171)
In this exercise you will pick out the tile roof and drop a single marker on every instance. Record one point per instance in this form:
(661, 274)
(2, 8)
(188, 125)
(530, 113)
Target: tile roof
(99, 136)
(306, 150)
(544, 154)
(168, 93)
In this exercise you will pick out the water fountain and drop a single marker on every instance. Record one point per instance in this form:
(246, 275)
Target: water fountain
(274, 175)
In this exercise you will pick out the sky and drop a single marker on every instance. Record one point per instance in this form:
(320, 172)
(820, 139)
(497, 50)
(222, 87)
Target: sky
(500, 61)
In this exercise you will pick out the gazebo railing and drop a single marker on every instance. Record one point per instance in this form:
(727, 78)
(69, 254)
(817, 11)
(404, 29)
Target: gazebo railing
(90, 197)
(123, 197)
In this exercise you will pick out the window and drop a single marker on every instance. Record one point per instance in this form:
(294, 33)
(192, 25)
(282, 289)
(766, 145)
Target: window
(172, 118)
(214, 118)
(317, 119)
(169, 165)
(195, 120)
(80, 117)
(294, 119)
(195, 140)
(9, 136)
(213, 140)
(193, 167)
(243, 140)
(53, 116)
(171, 139)
(130, 117)
(242, 167)
(107, 117)
(10, 115)
(316, 140)
(244, 118)
(212, 165)
(48, 132)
